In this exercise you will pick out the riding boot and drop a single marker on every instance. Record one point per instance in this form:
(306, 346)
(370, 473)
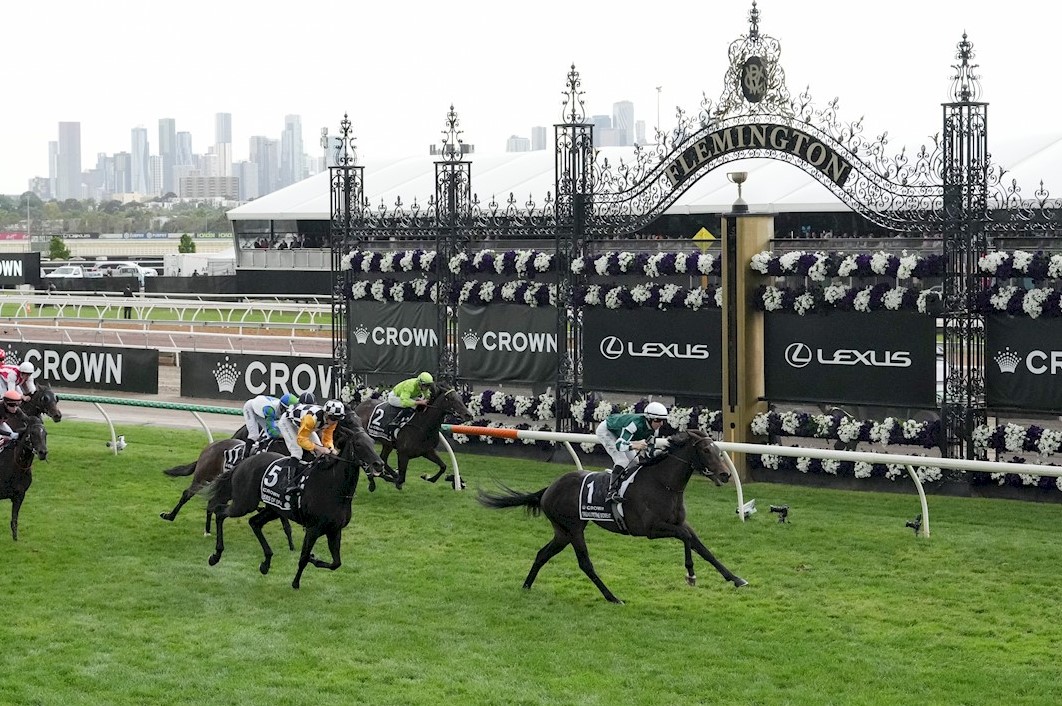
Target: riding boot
(615, 481)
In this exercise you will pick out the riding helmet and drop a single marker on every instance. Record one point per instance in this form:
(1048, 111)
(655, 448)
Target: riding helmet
(26, 367)
(335, 409)
(655, 410)
(425, 379)
(12, 396)
(307, 398)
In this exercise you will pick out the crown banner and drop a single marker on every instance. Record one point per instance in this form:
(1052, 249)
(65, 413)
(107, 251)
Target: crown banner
(885, 358)
(508, 342)
(1023, 363)
(20, 268)
(233, 376)
(677, 351)
(392, 337)
(91, 367)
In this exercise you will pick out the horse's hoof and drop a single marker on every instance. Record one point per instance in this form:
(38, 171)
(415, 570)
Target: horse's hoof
(214, 558)
(166, 516)
(264, 568)
(691, 580)
(207, 534)
(398, 486)
(615, 601)
(739, 582)
(295, 585)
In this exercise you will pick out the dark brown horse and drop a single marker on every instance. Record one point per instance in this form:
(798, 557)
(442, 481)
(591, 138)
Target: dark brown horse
(16, 461)
(325, 506)
(213, 460)
(653, 507)
(44, 401)
(419, 437)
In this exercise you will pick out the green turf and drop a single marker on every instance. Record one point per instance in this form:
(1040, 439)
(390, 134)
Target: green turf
(104, 603)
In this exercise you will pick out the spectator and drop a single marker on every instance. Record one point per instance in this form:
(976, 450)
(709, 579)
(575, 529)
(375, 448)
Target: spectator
(128, 312)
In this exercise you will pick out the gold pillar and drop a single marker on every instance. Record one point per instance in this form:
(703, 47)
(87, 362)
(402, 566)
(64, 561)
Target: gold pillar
(744, 235)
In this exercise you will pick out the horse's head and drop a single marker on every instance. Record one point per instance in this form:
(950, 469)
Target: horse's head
(34, 439)
(706, 458)
(360, 443)
(44, 401)
(449, 400)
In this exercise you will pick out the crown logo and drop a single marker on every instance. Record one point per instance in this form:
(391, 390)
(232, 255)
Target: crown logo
(1007, 360)
(471, 339)
(361, 334)
(226, 375)
(11, 357)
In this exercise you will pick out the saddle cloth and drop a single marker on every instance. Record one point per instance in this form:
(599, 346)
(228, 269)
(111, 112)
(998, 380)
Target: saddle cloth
(592, 492)
(231, 457)
(379, 426)
(282, 483)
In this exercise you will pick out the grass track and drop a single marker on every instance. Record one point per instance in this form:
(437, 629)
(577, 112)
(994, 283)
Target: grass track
(105, 603)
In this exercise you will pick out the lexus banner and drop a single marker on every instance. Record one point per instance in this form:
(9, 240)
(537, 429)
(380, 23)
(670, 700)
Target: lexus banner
(91, 367)
(677, 351)
(508, 342)
(232, 376)
(392, 337)
(1023, 363)
(879, 358)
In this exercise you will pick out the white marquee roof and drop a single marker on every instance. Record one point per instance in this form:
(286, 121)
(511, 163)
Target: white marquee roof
(772, 185)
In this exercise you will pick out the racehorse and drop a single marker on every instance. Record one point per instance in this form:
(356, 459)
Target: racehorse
(325, 507)
(43, 401)
(653, 507)
(420, 435)
(16, 460)
(212, 461)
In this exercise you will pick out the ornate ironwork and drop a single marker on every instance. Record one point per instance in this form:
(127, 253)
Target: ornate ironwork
(346, 206)
(453, 206)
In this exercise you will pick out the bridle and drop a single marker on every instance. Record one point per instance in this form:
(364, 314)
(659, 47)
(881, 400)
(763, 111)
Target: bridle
(695, 462)
(26, 445)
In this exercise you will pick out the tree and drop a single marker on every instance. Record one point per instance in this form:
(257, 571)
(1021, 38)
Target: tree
(57, 249)
(187, 245)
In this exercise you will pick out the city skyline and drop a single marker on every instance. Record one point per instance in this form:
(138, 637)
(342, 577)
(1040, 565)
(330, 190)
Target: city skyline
(890, 66)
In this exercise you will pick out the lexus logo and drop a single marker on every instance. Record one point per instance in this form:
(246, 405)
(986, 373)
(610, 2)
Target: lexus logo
(798, 355)
(611, 347)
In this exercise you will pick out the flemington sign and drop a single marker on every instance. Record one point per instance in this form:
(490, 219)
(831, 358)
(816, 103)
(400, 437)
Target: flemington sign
(764, 136)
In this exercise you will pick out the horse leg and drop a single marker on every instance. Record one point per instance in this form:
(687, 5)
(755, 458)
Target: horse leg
(308, 540)
(206, 529)
(287, 532)
(219, 542)
(335, 537)
(260, 518)
(688, 537)
(579, 545)
(403, 463)
(187, 495)
(691, 578)
(389, 473)
(434, 458)
(553, 547)
(16, 504)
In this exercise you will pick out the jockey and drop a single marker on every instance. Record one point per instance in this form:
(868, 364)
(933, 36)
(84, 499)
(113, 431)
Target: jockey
(309, 428)
(307, 398)
(261, 414)
(12, 410)
(19, 378)
(623, 435)
(408, 395)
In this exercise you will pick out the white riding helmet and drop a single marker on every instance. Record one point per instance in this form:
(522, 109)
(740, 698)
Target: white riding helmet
(27, 368)
(335, 408)
(655, 410)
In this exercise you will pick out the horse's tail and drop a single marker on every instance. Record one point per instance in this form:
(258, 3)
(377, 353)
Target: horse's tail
(219, 492)
(512, 498)
(185, 470)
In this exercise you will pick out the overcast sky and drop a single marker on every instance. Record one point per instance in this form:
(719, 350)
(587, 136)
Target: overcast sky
(396, 67)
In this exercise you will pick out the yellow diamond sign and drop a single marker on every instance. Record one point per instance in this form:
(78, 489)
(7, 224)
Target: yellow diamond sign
(703, 238)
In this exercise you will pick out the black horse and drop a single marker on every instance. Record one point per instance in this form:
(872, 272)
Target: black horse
(16, 461)
(213, 460)
(44, 401)
(419, 437)
(653, 507)
(325, 507)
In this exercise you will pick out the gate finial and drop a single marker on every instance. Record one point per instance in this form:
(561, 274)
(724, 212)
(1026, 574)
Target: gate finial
(754, 21)
(965, 84)
(453, 148)
(346, 153)
(573, 97)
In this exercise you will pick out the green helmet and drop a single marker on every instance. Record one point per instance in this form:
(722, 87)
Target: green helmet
(425, 379)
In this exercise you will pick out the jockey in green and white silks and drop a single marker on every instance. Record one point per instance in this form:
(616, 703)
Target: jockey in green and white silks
(407, 395)
(623, 436)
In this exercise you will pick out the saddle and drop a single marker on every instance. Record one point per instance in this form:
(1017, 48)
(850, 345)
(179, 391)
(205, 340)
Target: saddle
(386, 421)
(283, 482)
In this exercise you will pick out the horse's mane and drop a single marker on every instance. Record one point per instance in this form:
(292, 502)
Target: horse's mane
(684, 437)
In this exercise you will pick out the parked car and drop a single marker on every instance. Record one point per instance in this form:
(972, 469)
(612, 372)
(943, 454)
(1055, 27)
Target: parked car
(108, 267)
(134, 270)
(67, 271)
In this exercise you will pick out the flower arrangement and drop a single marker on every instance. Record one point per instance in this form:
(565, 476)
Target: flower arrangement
(649, 265)
(842, 469)
(1039, 302)
(1036, 266)
(385, 290)
(523, 263)
(388, 262)
(655, 296)
(818, 266)
(806, 300)
(513, 292)
(890, 431)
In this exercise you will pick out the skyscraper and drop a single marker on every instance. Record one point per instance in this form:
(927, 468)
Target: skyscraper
(168, 152)
(123, 173)
(623, 119)
(184, 156)
(53, 167)
(538, 138)
(515, 143)
(223, 143)
(264, 154)
(68, 174)
(291, 154)
(139, 169)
